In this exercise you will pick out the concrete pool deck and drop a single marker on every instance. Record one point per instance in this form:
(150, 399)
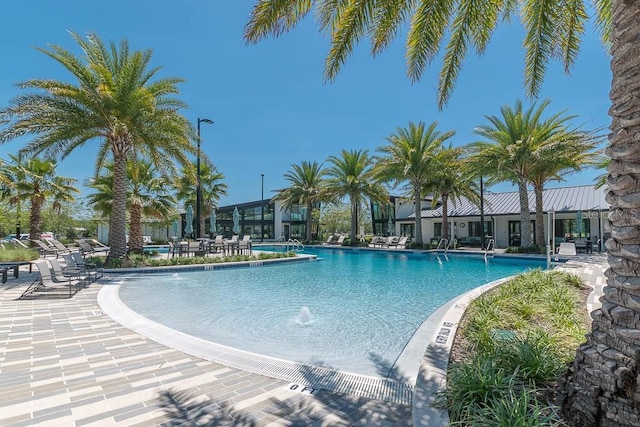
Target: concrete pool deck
(65, 362)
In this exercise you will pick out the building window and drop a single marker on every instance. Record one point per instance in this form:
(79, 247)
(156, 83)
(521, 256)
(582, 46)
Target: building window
(474, 229)
(407, 230)
(568, 229)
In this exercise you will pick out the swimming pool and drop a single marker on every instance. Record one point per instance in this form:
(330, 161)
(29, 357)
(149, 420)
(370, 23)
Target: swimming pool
(351, 310)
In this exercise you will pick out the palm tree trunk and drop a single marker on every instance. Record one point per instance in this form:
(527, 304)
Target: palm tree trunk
(35, 220)
(417, 197)
(117, 223)
(445, 217)
(525, 216)
(602, 387)
(537, 189)
(309, 210)
(354, 219)
(135, 228)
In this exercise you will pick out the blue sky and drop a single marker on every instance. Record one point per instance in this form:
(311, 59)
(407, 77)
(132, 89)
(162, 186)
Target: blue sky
(270, 105)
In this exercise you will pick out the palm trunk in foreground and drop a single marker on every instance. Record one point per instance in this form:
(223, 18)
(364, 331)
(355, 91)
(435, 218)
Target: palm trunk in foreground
(602, 385)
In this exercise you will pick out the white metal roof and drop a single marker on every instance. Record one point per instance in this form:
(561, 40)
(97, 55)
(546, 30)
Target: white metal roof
(565, 199)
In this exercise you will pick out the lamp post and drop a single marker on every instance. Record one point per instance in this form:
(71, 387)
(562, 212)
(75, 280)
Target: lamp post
(198, 185)
(482, 242)
(262, 209)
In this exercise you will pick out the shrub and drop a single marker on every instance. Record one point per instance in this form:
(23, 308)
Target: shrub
(18, 255)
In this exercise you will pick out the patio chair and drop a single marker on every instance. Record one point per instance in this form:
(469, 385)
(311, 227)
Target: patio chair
(90, 268)
(18, 243)
(340, 240)
(376, 241)
(390, 241)
(46, 284)
(329, 240)
(65, 273)
(61, 247)
(217, 243)
(87, 248)
(399, 244)
(245, 244)
(567, 249)
(44, 249)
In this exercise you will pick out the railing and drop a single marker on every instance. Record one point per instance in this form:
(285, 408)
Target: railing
(294, 245)
(281, 239)
(490, 247)
(445, 245)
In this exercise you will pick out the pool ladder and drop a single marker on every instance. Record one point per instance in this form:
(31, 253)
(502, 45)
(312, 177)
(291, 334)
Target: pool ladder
(445, 245)
(294, 245)
(490, 248)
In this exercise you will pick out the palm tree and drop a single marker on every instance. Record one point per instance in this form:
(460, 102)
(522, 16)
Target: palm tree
(410, 157)
(35, 181)
(147, 196)
(509, 154)
(115, 101)
(351, 174)
(211, 183)
(450, 181)
(306, 187)
(559, 152)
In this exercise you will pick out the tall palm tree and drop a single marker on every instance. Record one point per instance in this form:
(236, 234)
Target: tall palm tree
(35, 181)
(559, 151)
(211, 183)
(410, 157)
(508, 155)
(147, 196)
(116, 101)
(306, 187)
(351, 174)
(598, 387)
(450, 181)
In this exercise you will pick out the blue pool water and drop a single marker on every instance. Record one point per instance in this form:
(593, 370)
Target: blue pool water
(350, 310)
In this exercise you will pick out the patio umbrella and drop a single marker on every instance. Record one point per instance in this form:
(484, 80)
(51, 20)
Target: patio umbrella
(212, 222)
(579, 222)
(236, 220)
(174, 228)
(188, 229)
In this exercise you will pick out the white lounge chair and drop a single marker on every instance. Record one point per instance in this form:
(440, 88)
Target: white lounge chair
(567, 249)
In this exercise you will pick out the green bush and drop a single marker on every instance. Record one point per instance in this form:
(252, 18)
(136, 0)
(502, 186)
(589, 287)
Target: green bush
(517, 337)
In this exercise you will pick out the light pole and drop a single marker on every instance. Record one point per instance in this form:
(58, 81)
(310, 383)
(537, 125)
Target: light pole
(198, 185)
(262, 210)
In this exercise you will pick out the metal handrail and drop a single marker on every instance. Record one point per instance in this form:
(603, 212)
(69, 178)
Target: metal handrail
(490, 246)
(296, 245)
(445, 246)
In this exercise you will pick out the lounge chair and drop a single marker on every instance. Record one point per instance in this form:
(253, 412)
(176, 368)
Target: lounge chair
(391, 241)
(340, 241)
(376, 241)
(61, 248)
(46, 284)
(329, 240)
(87, 248)
(567, 249)
(400, 244)
(45, 249)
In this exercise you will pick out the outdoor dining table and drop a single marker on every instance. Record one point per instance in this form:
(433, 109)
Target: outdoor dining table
(6, 266)
(232, 246)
